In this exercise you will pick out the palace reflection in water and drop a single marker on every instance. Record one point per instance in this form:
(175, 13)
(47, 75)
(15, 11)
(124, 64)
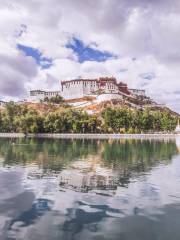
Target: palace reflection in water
(76, 189)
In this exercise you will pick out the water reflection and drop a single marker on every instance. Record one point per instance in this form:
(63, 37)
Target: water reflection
(55, 155)
(93, 189)
(84, 165)
(38, 209)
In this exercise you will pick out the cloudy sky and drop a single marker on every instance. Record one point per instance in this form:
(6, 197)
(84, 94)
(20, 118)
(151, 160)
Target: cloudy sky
(45, 41)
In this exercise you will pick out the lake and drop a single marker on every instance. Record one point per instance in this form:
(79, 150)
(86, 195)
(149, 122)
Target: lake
(126, 189)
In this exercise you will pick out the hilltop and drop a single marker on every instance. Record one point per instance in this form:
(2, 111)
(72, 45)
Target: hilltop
(94, 95)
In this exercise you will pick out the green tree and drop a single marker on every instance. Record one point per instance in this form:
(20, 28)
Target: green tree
(55, 99)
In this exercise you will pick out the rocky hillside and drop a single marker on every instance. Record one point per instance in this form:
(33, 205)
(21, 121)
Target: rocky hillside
(93, 107)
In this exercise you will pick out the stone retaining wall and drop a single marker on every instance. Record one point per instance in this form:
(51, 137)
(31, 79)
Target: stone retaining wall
(88, 136)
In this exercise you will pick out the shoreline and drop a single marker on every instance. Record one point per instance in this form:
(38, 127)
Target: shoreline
(89, 135)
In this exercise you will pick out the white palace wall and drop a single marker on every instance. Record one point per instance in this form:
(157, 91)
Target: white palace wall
(70, 91)
(78, 89)
(81, 88)
(38, 95)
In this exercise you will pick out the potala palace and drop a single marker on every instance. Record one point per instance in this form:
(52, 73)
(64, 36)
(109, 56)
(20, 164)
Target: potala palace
(96, 91)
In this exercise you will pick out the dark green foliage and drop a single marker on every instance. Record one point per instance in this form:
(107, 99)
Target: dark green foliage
(57, 99)
(136, 121)
(20, 118)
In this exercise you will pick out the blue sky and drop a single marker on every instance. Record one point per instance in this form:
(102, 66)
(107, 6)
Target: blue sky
(83, 52)
(86, 53)
(44, 62)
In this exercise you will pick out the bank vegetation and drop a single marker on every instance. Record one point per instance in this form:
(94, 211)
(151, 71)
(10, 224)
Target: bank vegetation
(61, 118)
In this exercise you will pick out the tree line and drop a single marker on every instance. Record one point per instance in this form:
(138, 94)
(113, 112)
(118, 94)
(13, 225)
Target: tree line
(21, 118)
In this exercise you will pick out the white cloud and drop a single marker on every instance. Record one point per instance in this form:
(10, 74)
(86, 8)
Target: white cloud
(16, 70)
(146, 30)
